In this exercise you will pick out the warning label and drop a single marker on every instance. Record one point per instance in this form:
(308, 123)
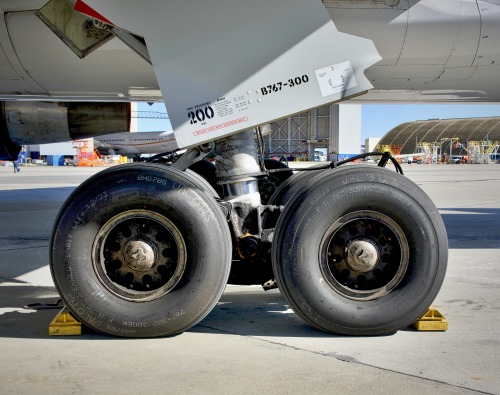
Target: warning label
(336, 78)
(220, 126)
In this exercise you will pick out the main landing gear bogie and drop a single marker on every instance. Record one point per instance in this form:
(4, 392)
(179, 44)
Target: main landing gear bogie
(143, 250)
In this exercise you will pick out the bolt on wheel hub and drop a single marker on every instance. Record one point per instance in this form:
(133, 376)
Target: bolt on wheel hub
(139, 255)
(362, 255)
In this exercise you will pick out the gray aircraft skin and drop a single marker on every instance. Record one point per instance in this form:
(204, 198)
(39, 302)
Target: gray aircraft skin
(431, 51)
(145, 250)
(428, 52)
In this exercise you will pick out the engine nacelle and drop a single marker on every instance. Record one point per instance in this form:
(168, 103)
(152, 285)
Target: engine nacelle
(25, 123)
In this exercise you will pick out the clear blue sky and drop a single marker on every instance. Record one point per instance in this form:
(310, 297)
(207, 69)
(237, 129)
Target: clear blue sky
(376, 119)
(153, 125)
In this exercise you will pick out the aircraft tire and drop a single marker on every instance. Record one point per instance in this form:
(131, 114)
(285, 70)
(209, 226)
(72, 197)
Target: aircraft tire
(201, 180)
(140, 250)
(360, 250)
(206, 169)
(285, 192)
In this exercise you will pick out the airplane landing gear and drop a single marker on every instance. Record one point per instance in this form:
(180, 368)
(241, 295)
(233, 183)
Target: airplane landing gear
(144, 250)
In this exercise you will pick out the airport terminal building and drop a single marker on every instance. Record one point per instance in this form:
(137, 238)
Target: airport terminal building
(459, 140)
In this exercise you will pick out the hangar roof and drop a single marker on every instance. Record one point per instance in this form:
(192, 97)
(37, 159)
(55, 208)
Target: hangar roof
(437, 131)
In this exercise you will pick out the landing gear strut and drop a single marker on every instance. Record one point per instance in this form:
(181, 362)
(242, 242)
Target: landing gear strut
(146, 249)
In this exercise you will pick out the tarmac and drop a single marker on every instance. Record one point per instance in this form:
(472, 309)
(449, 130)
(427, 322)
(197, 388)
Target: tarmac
(252, 343)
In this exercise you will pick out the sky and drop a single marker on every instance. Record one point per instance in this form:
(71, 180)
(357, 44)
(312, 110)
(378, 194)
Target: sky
(376, 119)
(153, 125)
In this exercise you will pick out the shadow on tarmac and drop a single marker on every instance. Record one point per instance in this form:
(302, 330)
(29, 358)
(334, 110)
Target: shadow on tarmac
(18, 322)
(36, 196)
(472, 227)
(244, 311)
(250, 311)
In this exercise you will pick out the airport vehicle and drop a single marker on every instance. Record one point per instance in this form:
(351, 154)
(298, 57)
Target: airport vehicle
(410, 158)
(146, 249)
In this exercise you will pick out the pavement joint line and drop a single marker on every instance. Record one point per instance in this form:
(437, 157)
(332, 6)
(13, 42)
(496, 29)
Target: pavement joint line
(456, 181)
(346, 360)
(34, 238)
(23, 247)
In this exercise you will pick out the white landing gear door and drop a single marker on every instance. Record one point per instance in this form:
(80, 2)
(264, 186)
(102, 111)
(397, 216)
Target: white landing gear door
(228, 65)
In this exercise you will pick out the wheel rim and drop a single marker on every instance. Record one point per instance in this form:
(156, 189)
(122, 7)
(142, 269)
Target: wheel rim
(139, 255)
(364, 255)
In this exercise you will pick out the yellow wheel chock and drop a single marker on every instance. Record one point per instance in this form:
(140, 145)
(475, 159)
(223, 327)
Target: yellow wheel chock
(64, 324)
(432, 320)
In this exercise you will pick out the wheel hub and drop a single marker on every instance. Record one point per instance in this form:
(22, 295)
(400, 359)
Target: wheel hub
(139, 255)
(362, 255)
(365, 255)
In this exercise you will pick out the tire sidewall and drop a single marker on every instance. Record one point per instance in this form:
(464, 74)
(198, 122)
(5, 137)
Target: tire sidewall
(170, 194)
(310, 214)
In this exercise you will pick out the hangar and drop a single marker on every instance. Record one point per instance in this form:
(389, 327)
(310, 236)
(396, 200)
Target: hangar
(466, 140)
(331, 132)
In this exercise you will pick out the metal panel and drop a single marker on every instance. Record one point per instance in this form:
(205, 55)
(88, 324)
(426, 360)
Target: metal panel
(299, 132)
(386, 26)
(350, 129)
(457, 73)
(279, 137)
(289, 135)
(468, 36)
(24, 5)
(424, 45)
(113, 72)
(334, 129)
(322, 128)
(227, 65)
(77, 31)
(338, 127)
(13, 78)
(487, 53)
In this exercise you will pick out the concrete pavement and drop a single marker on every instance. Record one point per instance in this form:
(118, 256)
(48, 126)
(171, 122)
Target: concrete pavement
(252, 342)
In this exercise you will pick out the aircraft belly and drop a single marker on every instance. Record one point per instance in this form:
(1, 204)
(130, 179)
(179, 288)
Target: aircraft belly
(13, 77)
(40, 65)
(385, 26)
(228, 65)
(433, 50)
(20, 5)
(488, 52)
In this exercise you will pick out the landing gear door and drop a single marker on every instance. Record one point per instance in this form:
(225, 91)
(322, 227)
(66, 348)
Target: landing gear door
(228, 65)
